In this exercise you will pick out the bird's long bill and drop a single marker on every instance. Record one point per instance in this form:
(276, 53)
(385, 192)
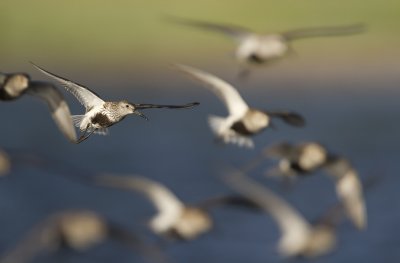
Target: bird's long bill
(141, 115)
(157, 106)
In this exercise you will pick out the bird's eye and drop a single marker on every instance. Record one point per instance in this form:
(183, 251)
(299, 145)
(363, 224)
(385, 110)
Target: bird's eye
(127, 106)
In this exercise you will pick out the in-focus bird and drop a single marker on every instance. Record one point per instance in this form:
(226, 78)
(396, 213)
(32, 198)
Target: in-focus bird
(255, 49)
(15, 85)
(102, 114)
(175, 219)
(299, 238)
(79, 230)
(242, 121)
(308, 157)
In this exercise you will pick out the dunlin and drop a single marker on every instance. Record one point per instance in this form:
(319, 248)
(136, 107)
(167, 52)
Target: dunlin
(298, 236)
(15, 85)
(102, 114)
(242, 121)
(174, 219)
(308, 157)
(78, 230)
(254, 48)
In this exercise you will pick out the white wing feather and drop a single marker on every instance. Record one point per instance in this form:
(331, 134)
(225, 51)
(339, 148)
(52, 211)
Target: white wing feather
(226, 92)
(295, 230)
(168, 205)
(58, 106)
(84, 95)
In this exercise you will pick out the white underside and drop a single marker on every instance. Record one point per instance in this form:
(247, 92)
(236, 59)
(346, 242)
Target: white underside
(221, 128)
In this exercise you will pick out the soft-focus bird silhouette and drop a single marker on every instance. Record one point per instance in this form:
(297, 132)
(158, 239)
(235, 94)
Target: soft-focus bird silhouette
(242, 121)
(15, 85)
(79, 230)
(174, 219)
(256, 49)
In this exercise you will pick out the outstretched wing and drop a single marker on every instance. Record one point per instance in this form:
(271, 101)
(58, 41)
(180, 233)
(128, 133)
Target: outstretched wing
(289, 117)
(235, 200)
(44, 236)
(295, 229)
(235, 32)
(161, 197)
(323, 31)
(226, 92)
(83, 94)
(58, 106)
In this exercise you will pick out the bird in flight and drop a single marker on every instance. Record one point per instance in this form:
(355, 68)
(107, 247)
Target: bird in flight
(102, 114)
(298, 236)
(175, 219)
(305, 158)
(256, 49)
(79, 230)
(242, 121)
(15, 85)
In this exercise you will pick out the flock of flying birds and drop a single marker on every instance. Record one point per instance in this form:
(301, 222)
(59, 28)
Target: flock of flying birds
(175, 219)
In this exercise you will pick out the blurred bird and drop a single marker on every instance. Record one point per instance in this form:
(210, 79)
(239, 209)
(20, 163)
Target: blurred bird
(242, 121)
(175, 219)
(15, 85)
(5, 163)
(299, 238)
(102, 114)
(300, 159)
(78, 230)
(306, 158)
(255, 49)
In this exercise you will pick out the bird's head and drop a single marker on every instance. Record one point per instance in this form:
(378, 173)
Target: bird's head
(16, 84)
(126, 108)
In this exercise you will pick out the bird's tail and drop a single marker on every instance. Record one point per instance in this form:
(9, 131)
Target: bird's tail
(77, 119)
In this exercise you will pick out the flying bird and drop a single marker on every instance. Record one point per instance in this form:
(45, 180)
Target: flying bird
(308, 157)
(242, 121)
(255, 49)
(15, 85)
(299, 238)
(174, 219)
(102, 114)
(79, 230)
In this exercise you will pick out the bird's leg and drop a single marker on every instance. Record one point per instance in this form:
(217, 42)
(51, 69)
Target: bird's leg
(84, 136)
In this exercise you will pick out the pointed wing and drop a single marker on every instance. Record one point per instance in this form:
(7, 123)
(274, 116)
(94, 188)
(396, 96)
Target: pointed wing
(58, 106)
(349, 190)
(289, 117)
(295, 229)
(83, 94)
(324, 31)
(227, 93)
(135, 242)
(43, 236)
(235, 32)
(161, 197)
(235, 200)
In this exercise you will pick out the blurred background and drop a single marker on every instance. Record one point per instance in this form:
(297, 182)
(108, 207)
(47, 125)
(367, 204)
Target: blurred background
(346, 87)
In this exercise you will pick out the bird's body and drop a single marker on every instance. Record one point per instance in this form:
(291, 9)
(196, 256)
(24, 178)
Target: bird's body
(102, 114)
(299, 238)
(174, 218)
(308, 157)
(242, 121)
(79, 230)
(259, 49)
(300, 159)
(15, 85)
